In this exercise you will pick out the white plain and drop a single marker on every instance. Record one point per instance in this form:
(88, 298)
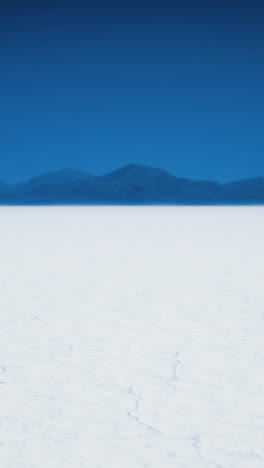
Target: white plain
(132, 337)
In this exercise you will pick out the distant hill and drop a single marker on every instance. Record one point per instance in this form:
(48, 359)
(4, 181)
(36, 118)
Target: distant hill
(247, 190)
(63, 176)
(2, 186)
(132, 184)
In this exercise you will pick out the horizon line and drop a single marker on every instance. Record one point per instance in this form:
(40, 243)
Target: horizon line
(125, 166)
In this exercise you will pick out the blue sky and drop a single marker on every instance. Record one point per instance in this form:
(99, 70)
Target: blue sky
(177, 85)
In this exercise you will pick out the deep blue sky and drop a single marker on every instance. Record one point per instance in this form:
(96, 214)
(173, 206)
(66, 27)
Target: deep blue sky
(96, 85)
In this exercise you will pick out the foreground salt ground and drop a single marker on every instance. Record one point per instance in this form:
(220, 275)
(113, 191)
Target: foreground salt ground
(131, 337)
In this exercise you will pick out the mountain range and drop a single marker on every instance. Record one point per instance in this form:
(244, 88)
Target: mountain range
(132, 184)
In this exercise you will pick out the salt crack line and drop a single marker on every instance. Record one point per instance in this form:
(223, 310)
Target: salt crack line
(134, 412)
(197, 445)
(174, 378)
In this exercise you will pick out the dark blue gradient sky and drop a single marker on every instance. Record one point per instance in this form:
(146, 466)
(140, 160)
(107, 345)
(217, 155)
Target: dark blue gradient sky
(96, 85)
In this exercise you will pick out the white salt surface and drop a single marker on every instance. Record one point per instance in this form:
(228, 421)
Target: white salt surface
(132, 337)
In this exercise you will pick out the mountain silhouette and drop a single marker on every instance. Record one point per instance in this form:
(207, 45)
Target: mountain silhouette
(247, 190)
(131, 184)
(63, 176)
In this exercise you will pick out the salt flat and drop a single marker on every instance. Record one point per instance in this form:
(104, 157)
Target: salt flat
(132, 337)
